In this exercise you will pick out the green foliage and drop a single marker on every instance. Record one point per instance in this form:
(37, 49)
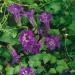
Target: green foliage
(9, 70)
(32, 60)
(6, 55)
(43, 48)
(53, 8)
(9, 36)
(45, 63)
(16, 69)
(1, 67)
(53, 32)
(52, 71)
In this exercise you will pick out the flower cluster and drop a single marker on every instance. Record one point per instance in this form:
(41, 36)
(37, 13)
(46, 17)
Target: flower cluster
(18, 11)
(29, 43)
(27, 38)
(53, 42)
(46, 18)
(26, 71)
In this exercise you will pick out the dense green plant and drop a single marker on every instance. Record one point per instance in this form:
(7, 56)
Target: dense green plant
(57, 62)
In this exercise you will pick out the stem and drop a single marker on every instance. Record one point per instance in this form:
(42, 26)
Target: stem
(10, 48)
(67, 50)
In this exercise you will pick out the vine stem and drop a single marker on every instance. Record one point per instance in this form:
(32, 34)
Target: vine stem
(66, 48)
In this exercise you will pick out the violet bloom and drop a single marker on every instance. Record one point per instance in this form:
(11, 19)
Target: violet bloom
(28, 42)
(40, 31)
(53, 42)
(15, 57)
(26, 71)
(32, 47)
(25, 37)
(16, 10)
(45, 18)
(29, 16)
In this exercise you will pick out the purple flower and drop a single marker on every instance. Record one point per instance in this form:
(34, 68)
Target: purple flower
(26, 71)
(53, 42)
(15, 57)
(14, 54)
(15, 10)
(25, 37)
(28, 42)
(32, 47)
(29, 16)
(42, 31)
(45, 18)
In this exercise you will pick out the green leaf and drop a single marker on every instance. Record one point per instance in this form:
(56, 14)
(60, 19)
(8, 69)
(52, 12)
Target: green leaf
(6, 55)
(68, 42)
(46, 58)
(72, 28)
(73, 64)
(61, 66)
(53, 32)
(1, 62)
(60, 69)
(62, 63)
(39, 70)
(43, 48)
(9, 36)
(9, 70)
(72, 25)
(53, 8)
(62, 20)
(53, 59)
(32, 60)
(1, 67)
(24, 64)
(16, 69)
(33, 64)
(52, 71)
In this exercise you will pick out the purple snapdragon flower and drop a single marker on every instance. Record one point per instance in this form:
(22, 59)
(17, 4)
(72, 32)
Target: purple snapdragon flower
(53, 42)
(26, 71)
(46, 18)
(15, 56)
(28, 42)
(16, 10)
(32, 47)
(25, 37)
(29, 16)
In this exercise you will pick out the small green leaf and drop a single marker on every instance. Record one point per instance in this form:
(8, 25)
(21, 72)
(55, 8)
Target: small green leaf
(43, 48)
(62, 63)
(9, 71)
(52, 71)
(32, 60)
(73, 64)
(60, 69)
(39, 70)
(1, 67)
(16, 69)
(53, 32)
(6, 55)
(46, 58)
(53, 59)
(9, 36)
